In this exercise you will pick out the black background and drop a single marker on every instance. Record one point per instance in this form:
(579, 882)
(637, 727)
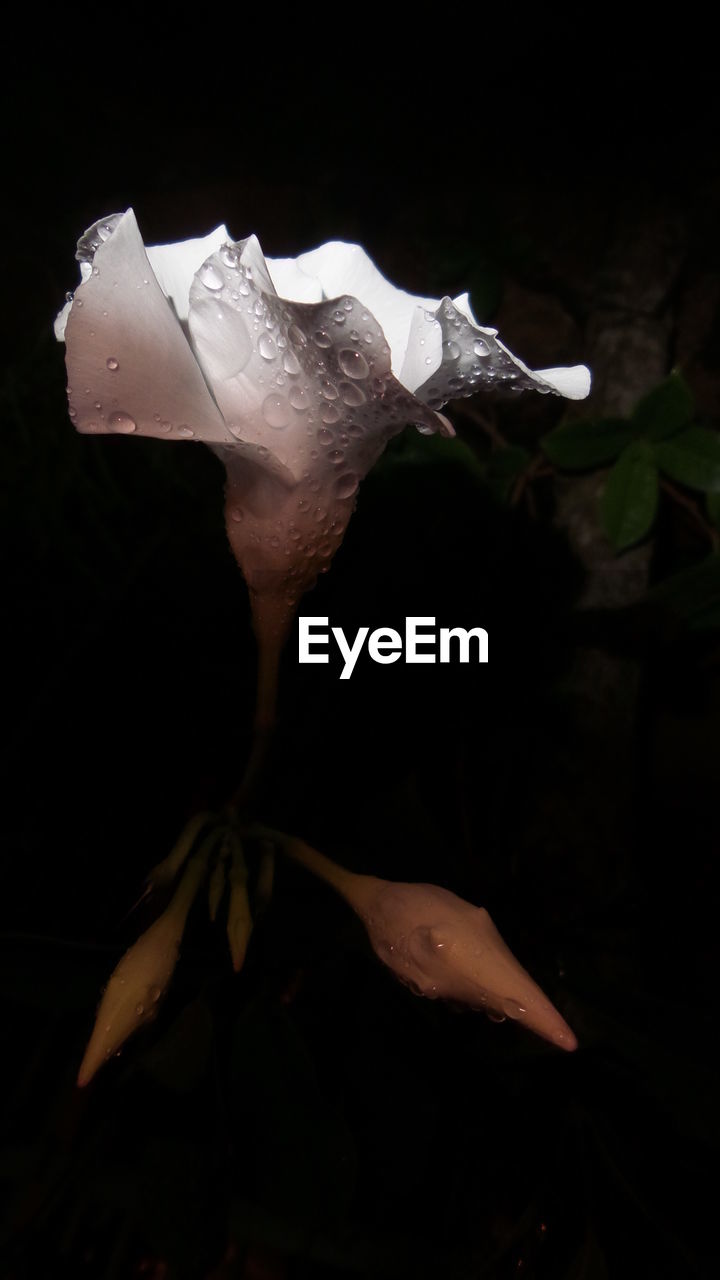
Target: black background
(310, 1117)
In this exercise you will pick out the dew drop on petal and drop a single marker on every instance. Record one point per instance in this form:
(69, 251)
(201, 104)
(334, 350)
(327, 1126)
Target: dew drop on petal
(276, 411)
(328, 389)
(186, 432)
(296, 336)
(346, 484)
(351, 394)
(330, 413)
(336, 456)
(210, 277)
(480, 347)
(353, 363)
(299, 399)
(237, 514)
(122, 423)
(322, 339)
(451, 350)
(112, 364)
(291, 364)
(266, 346)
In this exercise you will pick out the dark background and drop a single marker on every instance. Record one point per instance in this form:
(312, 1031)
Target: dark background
(310, 1118)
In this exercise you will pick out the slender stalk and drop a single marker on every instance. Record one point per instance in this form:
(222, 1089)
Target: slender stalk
(351, 886)
(272, 620)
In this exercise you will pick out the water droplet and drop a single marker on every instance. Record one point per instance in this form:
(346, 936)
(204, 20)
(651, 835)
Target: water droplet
(276, 411)
(339, 317)
(122, 423)
(480, 347)
(139, 1009)
(266, 346)
(154, 994)
(353, 363)
(512, 1009)
(237, 514)
(328, 389)
(451, 350)
(351, 393)
(296, 336)
(336, 456)
(186, 432)
(495, 1016)
(325, 436)
(299, 399)
(291, 364)
(229, 256)
(112, 364)
(330, 413)
(322, 339)
(69, 296)
(346, 484)
(211, 277)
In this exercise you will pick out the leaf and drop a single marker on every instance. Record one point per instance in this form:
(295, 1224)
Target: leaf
(629, 501)
(587, 444)
(665, 410)
(693, 459)
(693, 594)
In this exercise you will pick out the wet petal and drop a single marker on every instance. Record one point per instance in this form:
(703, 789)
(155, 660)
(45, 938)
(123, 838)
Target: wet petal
(130, 367)
(175, 265)
(311, 385)
(346, 268)
(470, 356)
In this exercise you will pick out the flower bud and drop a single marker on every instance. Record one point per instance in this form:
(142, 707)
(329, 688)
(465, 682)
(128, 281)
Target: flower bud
(441, 946)
(142, 977)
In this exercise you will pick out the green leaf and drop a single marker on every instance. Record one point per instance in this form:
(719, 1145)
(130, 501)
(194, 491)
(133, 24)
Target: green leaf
(629, 501)
(587, 444)
(693, 459)
(665, 410)
(693, 594)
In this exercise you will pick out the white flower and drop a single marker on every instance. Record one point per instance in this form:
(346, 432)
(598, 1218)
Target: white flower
(295, 371)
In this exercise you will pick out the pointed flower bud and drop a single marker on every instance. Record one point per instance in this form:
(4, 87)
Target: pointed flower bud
(141, 978)
(439, 945)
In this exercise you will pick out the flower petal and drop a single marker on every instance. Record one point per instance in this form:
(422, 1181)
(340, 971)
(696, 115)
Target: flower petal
(130, 367)
(175, 265)
(346, 268)
(308, 384)
(472, 356)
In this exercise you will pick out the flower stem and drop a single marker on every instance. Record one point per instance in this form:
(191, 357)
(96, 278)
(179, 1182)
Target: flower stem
(351, 886)
(272, 620)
